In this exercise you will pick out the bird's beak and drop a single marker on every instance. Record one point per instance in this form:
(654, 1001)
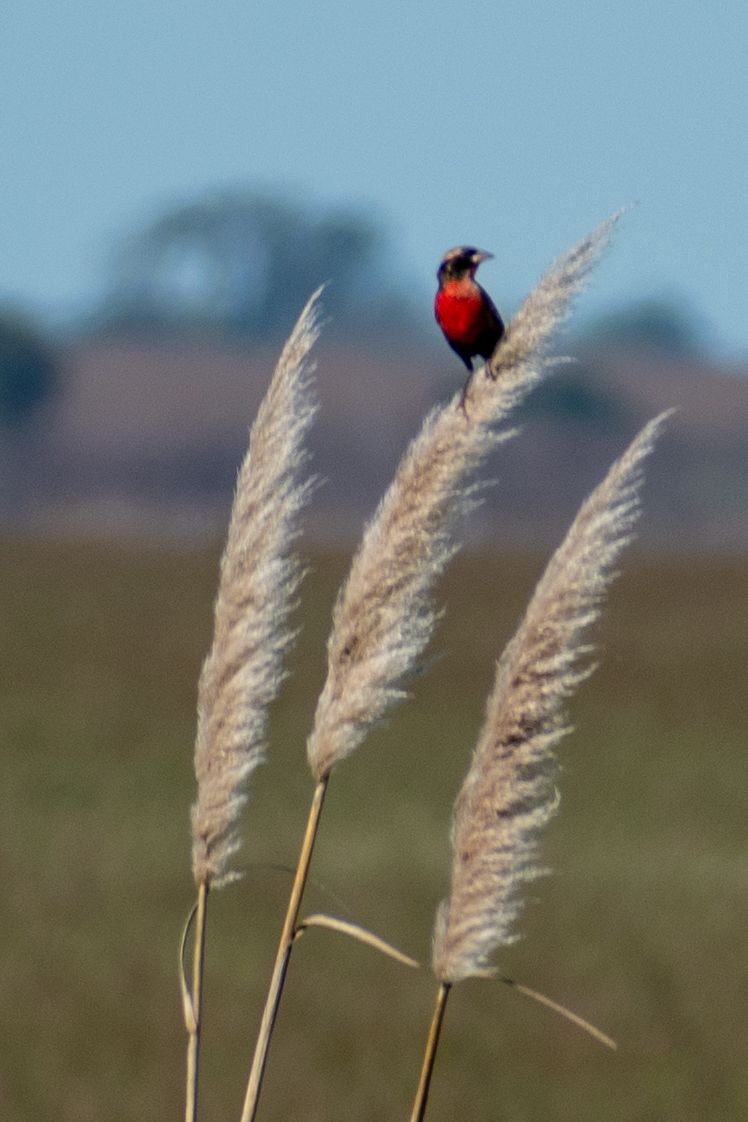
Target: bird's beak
(482, 255)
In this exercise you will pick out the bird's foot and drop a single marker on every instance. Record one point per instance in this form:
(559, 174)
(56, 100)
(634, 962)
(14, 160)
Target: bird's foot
(464, 397)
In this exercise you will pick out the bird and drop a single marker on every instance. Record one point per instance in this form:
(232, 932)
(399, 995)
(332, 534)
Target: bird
(465, 312)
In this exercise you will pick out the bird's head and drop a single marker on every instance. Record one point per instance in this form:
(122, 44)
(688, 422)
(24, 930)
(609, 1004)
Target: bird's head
(461, 262)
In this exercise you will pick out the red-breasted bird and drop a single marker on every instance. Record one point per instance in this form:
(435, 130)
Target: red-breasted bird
(465, 312)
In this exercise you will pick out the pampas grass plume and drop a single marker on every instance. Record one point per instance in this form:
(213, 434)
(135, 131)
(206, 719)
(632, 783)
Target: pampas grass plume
(384, 615)
(508, 794)
(258, 578)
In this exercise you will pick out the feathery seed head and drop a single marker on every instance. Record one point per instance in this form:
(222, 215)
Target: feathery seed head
(508, 794)
(258, 578)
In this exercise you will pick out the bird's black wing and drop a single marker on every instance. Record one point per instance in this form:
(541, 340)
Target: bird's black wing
(492, 329)
(492, 311)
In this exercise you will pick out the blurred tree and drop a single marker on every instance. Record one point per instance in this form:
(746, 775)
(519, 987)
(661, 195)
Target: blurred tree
(28, 371)
(246, 262)
(575, 396)
(664, 325)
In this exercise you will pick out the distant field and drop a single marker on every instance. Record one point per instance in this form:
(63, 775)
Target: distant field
(642, 927)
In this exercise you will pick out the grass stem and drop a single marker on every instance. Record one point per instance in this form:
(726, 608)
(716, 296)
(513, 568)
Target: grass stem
(429, 1056)
(282, 958)
(194, 1022)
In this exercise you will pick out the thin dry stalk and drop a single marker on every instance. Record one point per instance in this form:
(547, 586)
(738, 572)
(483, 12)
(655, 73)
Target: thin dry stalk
(354, 931)
(509, 794)
(384, 615)
(429, 1055)
(288, 935)
(194, 1016)
(243, 671)
(565, 1012)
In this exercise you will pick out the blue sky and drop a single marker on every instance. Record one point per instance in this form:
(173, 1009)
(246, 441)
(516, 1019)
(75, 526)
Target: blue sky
(511, 125)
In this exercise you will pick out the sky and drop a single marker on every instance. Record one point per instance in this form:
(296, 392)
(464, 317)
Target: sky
(514, 126)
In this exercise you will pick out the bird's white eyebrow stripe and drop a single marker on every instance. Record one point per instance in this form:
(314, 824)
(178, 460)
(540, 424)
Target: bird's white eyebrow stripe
(468, 252)
(458, 251)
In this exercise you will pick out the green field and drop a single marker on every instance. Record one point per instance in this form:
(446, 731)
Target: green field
(642, 927)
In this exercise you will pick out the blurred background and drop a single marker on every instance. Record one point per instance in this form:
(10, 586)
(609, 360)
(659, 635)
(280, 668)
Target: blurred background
(176, 180)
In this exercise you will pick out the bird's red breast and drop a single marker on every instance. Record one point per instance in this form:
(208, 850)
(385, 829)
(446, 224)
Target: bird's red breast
(460, 311)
